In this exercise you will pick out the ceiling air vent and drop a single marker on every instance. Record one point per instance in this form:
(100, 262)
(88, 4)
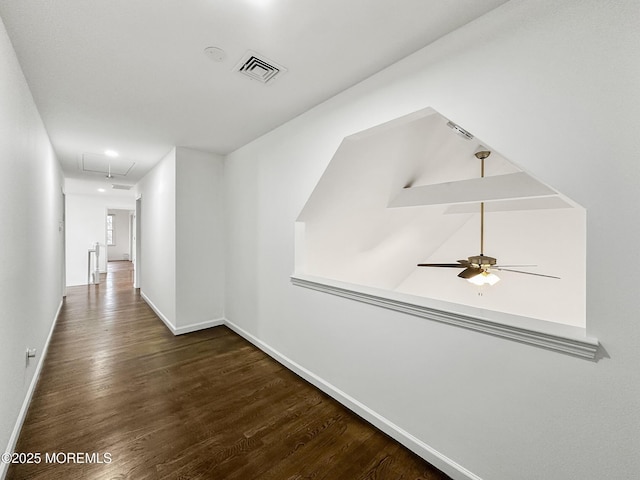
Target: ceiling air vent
(121, 187)
(460, 131)
(259, 68)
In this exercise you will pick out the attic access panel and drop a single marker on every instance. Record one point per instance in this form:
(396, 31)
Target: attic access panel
(407, 192)
(102, 164)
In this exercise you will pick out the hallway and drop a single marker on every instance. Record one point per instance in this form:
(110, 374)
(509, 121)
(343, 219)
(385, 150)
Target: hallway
(120, 397)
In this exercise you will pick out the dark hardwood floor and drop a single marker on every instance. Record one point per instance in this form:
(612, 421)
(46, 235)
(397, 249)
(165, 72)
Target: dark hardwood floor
(119, 388)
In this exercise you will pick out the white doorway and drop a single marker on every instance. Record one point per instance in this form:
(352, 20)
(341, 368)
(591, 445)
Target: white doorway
(118, 234)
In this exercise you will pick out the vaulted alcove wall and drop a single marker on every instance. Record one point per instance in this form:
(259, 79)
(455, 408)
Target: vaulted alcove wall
(362, 226)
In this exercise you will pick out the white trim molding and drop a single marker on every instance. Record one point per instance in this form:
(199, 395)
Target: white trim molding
(417, 446)
(159, 313)
(13, 440)
(560, 338)
(186, 328)
(199, 326)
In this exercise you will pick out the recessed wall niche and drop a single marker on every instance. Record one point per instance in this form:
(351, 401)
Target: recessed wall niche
(363, 225)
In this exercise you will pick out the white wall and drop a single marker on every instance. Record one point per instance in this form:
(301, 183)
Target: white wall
(200, 238)
(553, 87)
(182, 251)
(121, 223)
(31, 274)
(158, 235)
(86, 224)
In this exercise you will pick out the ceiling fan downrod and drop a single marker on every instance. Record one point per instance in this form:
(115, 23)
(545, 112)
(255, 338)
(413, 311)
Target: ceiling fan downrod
(477, 268)
(481, 155)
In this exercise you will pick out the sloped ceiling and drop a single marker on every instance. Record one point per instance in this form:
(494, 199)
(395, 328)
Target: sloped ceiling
(356, 232)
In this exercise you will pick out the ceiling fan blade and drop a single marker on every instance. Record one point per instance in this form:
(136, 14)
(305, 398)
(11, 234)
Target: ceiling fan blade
(526, 273)
(446, 265)
(469, 272)
(511, 266)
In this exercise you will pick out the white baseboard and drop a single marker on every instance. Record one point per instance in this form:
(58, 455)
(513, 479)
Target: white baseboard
(199, 326)
(4, 467)
(159, 313)
(437, 459)
(216, 322)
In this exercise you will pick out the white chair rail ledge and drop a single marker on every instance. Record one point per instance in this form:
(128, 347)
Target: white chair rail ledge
(552, 336)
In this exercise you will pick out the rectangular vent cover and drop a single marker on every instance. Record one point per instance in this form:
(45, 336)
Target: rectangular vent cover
(121, 187)
(259, 68)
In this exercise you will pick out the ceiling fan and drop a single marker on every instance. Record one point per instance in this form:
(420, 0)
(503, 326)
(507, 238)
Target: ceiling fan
(478, 268)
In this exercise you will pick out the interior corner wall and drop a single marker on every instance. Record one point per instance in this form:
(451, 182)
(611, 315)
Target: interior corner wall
(158, 237)
(549, 84)
(31, 261)
(182, 251)
(86, 225)
(200, 239)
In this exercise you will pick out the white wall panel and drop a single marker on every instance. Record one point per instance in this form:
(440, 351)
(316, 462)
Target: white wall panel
(552, 86)
(31, 239)
(158, 250)
(200, 238)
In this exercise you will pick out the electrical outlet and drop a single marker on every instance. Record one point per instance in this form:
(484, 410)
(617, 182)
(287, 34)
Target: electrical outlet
(31, 353)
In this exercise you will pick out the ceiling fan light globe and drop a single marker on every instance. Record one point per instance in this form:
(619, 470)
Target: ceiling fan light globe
(484, 278)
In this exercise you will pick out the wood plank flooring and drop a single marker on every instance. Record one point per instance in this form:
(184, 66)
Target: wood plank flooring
(116, 384)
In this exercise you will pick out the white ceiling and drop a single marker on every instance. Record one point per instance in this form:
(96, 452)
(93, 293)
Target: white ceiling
(132, 75)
